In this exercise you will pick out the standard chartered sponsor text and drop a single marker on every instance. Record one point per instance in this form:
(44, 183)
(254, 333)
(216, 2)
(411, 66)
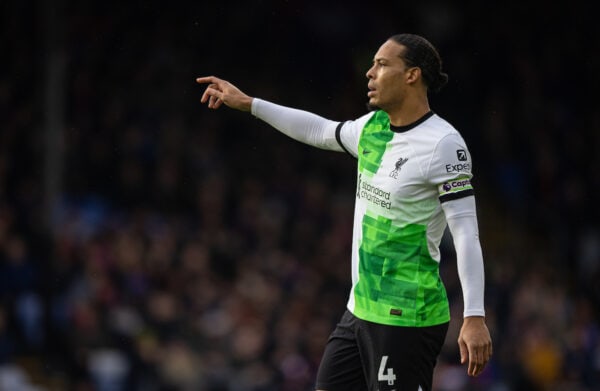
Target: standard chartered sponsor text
(375, 195)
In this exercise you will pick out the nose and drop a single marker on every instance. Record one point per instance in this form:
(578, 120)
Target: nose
(369, 73)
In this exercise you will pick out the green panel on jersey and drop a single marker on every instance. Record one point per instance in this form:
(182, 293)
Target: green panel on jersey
(373, 141)
(398, 275)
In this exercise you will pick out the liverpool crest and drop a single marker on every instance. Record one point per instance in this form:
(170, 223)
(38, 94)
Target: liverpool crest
(399, 164)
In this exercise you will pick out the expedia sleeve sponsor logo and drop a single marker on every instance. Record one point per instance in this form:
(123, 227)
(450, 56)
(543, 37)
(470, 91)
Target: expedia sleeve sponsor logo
(460, 167)
(455, 186)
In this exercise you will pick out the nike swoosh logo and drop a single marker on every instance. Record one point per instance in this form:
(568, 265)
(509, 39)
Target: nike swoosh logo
(366, 151)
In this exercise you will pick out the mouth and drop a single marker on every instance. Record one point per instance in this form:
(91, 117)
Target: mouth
(372, 91)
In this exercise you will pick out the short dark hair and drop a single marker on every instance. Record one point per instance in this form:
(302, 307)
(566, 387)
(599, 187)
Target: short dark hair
(421, 53)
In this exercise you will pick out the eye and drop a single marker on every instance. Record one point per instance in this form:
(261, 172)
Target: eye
(378, 64)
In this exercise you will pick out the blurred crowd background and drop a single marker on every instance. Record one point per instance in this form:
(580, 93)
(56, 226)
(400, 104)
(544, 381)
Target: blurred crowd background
(149, 243)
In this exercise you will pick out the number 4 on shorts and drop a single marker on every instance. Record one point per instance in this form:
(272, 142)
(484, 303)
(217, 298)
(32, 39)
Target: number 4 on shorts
(389, 376)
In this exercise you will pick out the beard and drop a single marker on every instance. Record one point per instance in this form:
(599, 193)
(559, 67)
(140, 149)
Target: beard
(371, 107)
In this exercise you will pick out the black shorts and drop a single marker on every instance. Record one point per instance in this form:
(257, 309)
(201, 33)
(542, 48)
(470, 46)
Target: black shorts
(362, 356)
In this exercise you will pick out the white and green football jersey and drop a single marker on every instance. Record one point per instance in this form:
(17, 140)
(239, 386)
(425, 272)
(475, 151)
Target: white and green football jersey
(404, 174)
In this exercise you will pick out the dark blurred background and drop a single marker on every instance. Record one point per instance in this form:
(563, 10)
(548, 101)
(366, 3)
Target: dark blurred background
(148, 243)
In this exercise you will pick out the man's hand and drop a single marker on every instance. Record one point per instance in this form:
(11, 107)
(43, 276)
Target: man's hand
(221, 91)
(475, 344)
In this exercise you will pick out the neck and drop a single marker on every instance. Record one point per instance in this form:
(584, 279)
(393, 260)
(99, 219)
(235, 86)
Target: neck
(409, 112)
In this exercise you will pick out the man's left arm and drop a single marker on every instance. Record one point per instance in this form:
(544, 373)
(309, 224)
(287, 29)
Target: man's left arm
(474, 339)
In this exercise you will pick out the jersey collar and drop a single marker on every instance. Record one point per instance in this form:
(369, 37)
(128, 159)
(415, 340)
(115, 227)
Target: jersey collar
(405, 128)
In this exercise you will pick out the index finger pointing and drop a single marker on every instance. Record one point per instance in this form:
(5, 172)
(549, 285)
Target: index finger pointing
(207, 79)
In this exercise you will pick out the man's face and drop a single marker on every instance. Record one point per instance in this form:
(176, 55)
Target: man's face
(387, 77)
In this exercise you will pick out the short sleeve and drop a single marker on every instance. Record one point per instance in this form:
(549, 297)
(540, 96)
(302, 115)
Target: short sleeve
(348, 133)
(451, 167)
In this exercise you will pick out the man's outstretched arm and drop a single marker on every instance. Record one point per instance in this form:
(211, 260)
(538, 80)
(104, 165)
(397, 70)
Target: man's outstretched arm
(300, 125)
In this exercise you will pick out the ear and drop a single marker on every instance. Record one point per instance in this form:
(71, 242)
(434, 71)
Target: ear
(413, 75)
